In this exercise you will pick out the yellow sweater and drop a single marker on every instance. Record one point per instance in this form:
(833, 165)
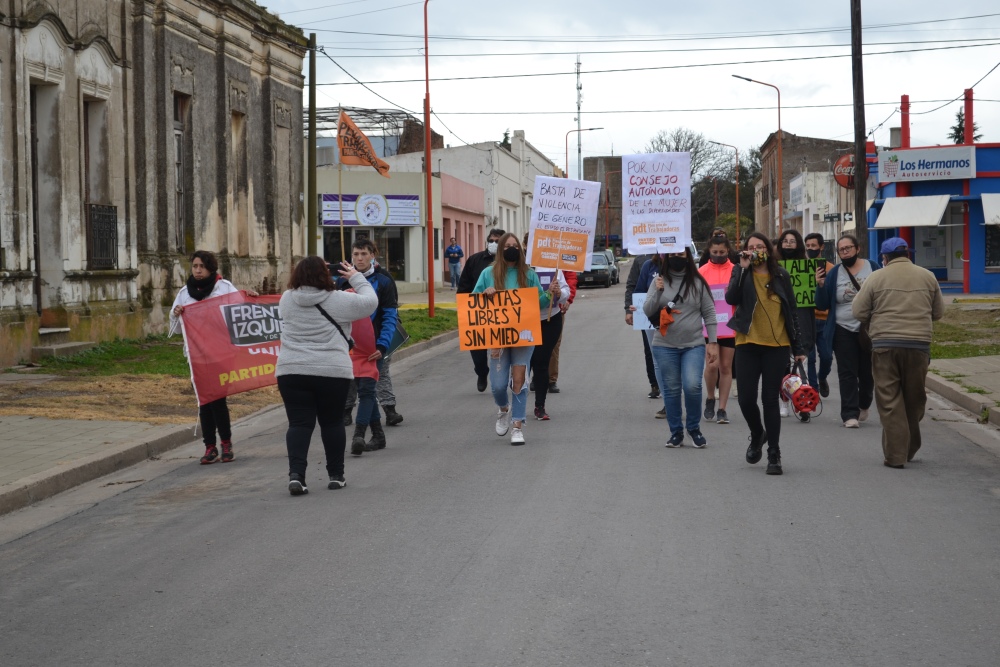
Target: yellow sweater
(768, 324)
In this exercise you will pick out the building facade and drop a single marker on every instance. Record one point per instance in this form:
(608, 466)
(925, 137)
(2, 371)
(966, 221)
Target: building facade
(134, 132)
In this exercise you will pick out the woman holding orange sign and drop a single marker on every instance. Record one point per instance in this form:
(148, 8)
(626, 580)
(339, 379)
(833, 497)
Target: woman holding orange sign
(509, 365)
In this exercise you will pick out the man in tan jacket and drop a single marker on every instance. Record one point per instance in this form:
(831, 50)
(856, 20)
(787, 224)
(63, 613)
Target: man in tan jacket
(899, 304)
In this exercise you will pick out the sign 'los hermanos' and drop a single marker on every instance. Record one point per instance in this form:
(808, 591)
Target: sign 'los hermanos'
(926, 164)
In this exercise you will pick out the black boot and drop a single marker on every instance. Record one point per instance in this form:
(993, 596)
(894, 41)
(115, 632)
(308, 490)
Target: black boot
(378, 437)
(348, 420)
(358, 442)
(774, 463)
(392, 418)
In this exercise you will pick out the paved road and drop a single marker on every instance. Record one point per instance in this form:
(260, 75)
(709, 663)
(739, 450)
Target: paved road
(592, 545)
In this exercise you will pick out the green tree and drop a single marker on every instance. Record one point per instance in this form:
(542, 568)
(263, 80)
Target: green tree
(957, 131)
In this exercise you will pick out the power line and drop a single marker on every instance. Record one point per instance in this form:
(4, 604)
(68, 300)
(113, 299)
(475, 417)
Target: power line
(921, 113)
(362, 84)
(347, 16)
(663, 67)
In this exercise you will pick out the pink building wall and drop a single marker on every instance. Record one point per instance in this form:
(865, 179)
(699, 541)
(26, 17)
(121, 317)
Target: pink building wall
(462, 216)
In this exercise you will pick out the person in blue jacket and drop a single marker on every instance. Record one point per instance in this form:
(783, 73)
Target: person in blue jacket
(835, 292)
(454, 254)
(384, 321)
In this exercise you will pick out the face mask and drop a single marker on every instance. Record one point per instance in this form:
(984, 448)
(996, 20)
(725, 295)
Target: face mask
(849, 261)
(718, 259)
(788, 253)
(677, 264)
(812, 254)
(491, 247)
(758, 257)
(511, 254)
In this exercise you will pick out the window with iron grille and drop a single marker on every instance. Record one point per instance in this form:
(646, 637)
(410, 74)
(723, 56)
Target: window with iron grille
(992, 245)
(102, 237)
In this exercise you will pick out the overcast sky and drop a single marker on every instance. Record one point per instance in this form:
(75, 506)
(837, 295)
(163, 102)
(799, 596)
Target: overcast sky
(515, 37)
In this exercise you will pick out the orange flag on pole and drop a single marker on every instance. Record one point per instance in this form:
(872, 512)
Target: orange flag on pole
(355, 147)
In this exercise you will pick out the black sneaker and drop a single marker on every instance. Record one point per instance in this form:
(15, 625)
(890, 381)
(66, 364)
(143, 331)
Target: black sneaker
(297, 484)
(481, 382)
(699, 439)
(531, 385)
(661, 413)
(804, 417)
(755, 450)
(721, 417)
(676, 440)
(553, 388)
(710, 409)
(773, 465)
(336, 482)
(824, 388)
(654, 391)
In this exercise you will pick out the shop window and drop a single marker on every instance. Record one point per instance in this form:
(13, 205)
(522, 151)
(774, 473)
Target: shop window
(993, 245)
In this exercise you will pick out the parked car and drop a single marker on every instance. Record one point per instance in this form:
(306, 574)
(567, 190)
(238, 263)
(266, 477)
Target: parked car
(613, 262)
(601, 271)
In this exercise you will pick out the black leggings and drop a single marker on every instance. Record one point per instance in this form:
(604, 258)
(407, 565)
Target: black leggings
(551, 330)
(214, 417)
(754, 362)
(309, 398)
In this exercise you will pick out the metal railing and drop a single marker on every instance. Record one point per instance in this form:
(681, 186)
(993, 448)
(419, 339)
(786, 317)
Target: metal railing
(102, 237)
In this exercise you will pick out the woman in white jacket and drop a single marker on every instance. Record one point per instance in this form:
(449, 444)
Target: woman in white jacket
(205, 283)
(314, 368)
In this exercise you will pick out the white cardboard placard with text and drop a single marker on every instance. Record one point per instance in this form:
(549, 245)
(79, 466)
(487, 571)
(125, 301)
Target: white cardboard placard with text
(656, 202)
(561, 212)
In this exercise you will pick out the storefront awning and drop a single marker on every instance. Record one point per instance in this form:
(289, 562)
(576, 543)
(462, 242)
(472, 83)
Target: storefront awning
(991, 208)
(912, 211)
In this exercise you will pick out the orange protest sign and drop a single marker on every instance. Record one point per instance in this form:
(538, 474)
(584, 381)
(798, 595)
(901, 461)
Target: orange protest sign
(355, 148)
(509, 318)
(559, 250)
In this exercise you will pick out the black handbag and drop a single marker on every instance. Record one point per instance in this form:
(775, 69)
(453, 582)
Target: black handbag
(350, 341)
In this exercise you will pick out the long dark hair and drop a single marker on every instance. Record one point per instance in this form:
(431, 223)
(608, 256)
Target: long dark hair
(800, 245)
(311, 272)
(692, 276)
(772, 261)
(500, 264)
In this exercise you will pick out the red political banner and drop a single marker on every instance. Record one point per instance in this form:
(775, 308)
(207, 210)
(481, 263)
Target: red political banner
(233, 342)
(355, 148)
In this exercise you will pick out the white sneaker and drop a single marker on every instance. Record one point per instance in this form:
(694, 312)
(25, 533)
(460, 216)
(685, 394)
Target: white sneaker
(516, 436)
(863, 417)
(852, 423)
(785, 412)
(503, 422)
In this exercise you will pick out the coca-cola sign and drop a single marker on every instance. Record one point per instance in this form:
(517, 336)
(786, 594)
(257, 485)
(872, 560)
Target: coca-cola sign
(843, 171)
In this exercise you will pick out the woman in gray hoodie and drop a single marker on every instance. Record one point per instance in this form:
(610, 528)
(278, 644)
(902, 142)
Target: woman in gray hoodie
(314, 368)
(680, 347)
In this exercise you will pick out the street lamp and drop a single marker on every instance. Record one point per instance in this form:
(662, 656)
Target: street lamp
(719, 143)
(588, 129)
(427, 168)
(781, 184)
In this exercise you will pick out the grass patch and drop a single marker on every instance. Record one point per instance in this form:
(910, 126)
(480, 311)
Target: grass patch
(155, 355)
(421, 327)
(965, 332)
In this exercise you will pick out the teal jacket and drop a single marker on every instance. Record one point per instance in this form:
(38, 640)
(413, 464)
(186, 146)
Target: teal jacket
(486, 280)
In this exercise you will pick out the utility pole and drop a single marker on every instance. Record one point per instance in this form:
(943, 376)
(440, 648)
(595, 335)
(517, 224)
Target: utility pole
(860, 137)
(311, 205)
(579, 121)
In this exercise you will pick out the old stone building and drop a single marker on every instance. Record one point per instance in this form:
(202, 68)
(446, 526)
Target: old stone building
(131, 133)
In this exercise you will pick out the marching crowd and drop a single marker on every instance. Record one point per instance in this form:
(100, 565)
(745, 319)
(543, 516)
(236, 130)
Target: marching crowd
(340, 323)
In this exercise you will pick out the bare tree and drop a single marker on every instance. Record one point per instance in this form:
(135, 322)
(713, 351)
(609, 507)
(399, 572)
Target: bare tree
(707, 159)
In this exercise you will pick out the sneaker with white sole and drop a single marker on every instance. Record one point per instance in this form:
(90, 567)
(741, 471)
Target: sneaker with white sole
(785, 411)
(852, 423)
(863, 417)
(516, 436)
(503, 422)
(721, 417)
(336, 482)
(676, 440)
(297, 484)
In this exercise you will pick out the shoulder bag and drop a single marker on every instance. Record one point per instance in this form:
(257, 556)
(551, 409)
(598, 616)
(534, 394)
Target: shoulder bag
(864, 339)
(350, 341)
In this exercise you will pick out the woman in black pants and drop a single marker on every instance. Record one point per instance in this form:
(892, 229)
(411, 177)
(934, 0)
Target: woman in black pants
(766, 335)
(314, 368)
(552, 324)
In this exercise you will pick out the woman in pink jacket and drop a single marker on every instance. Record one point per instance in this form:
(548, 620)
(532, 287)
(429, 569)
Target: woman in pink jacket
(717, 273)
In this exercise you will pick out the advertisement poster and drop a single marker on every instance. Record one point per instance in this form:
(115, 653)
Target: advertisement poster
(233, 342)
(509, 318)
(563, 223)
(656, 202)
(372, 210)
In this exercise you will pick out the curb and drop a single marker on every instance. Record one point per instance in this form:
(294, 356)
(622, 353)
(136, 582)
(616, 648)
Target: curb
(956, 394)
(48, 483)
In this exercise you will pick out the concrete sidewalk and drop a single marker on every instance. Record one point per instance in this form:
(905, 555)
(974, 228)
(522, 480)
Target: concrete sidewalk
(972, 383)
(42, 457)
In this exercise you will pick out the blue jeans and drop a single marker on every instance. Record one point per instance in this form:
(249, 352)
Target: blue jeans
(367, 405)
(825, 358)
(500, 380)
(454, 270)
(680, 368)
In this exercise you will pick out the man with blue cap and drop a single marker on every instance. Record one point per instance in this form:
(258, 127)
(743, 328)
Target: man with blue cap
(899, 304)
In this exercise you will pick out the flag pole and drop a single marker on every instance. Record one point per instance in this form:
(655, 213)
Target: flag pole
(340, 200)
